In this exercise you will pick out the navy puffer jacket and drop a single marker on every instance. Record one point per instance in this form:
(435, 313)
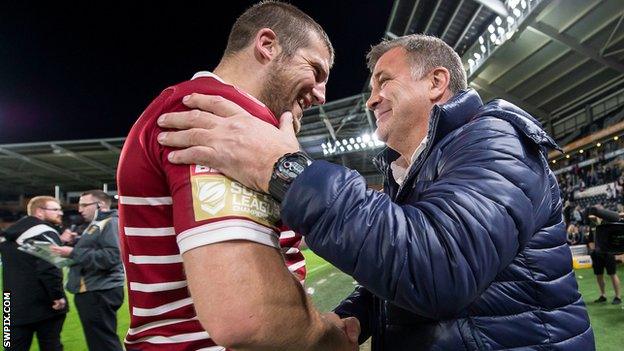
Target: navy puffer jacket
(469, 254)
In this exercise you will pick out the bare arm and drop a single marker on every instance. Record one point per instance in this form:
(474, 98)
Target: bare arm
(246, 299)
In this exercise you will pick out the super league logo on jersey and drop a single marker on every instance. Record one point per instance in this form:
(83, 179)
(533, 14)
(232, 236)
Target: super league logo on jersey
(217, 196)
(211, 195)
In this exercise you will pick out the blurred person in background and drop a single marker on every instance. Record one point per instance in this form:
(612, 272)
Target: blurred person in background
(573, 234)
(38, 303)
(602, 261)
(96, 276)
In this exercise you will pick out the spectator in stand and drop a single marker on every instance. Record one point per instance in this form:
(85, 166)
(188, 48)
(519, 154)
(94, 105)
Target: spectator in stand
(600, 175)
(583, 233)
(576, 214)
(610, 192)
(573, 234)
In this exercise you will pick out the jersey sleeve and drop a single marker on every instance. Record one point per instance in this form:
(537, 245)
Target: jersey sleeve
(209, 207)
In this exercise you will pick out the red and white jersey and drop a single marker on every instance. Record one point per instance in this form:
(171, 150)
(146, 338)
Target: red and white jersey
(167, 209)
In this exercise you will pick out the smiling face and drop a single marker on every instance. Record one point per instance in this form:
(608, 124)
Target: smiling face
(296, 83)
(400, 102)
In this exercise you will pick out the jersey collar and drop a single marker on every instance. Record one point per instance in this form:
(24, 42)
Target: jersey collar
(208, 74)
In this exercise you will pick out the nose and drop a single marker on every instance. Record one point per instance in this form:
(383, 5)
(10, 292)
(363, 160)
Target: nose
(373, 100)
(318, 94)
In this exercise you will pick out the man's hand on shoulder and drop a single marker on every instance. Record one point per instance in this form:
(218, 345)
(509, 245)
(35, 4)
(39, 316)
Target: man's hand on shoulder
(220, 134)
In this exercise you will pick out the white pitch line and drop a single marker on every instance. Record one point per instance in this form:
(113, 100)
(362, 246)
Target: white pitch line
(317, 268)
(321, 281)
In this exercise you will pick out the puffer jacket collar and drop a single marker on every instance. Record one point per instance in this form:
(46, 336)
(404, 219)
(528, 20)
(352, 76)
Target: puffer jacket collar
(444, 119)
(520, 119)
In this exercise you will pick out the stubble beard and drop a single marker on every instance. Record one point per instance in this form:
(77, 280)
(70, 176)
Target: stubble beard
(275, 94)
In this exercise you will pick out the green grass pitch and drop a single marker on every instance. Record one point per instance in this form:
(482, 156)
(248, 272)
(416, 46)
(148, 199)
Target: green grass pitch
(328, 286)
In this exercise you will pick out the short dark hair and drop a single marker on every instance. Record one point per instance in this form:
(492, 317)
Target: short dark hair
(291, 25)
(100, 195)
(425, 52)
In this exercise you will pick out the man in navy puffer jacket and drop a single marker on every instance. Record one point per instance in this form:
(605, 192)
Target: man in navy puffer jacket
(465, 249)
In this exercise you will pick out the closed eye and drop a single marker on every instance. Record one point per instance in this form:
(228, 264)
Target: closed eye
(319, 73)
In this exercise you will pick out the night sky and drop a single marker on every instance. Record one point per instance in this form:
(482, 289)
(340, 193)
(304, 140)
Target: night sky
(87, 69)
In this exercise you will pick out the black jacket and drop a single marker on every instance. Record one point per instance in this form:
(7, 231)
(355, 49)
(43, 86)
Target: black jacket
(33, 283)
(97, 261)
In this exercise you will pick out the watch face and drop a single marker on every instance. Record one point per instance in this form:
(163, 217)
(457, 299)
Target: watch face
(295, 167)
(290, 169)
(286, 170)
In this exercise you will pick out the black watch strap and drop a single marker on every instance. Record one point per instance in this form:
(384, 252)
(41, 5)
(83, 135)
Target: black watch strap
(285, 170)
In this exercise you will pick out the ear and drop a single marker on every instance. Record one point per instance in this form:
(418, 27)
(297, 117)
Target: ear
(440, 79)
(266, 46)
(37, 213)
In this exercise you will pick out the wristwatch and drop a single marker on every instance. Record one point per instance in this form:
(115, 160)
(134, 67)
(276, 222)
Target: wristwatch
(285, 170)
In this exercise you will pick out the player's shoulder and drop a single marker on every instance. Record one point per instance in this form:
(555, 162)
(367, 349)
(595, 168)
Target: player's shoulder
(200, 84)
(170, 99)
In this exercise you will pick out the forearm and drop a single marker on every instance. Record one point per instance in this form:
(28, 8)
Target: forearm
(308, 330)
(288, 305)
(268, 310)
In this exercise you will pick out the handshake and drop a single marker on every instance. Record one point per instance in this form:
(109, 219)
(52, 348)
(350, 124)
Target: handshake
(350, 326)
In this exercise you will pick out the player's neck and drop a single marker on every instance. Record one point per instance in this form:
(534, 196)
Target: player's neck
(243, 76)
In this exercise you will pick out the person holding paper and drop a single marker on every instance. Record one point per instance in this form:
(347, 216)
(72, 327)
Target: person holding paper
(96, 276)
